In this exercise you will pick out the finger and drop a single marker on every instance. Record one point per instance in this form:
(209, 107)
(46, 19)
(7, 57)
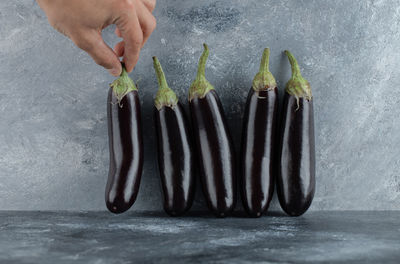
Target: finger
(147, 22)
(117, 32)
(150, 4)
(132, 34)
(119, 49)
(92, 42)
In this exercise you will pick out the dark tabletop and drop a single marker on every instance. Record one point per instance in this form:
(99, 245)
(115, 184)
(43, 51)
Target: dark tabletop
(151, 237)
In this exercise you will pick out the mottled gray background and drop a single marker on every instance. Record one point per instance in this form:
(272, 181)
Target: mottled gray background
(53, 136)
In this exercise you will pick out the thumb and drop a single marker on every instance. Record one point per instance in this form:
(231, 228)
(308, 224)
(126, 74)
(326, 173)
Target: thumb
(92, 42)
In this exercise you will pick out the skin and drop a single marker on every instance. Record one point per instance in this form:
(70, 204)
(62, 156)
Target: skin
(258, 140)
(83, 21)
(126, 151)
(296, 179)
(258, 150)
(175, 151)
(215, 153)
(214, 143)
(175, 159)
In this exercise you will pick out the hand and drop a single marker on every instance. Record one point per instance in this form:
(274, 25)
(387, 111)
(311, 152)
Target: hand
(83, 20)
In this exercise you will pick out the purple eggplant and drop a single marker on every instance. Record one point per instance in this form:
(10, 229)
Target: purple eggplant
(214, 144)
(175, 151)
(296, 180)
(258, 141)
(125, 144)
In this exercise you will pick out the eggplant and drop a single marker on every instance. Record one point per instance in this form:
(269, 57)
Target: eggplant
(296, 180)
(258, 158)
(125, 144)
(175, 150)
(215, 150)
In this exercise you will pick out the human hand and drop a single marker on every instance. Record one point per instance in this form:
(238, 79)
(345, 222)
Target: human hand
(83, 21)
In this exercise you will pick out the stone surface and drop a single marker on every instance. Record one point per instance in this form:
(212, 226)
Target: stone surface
(99, 237)
(53, 136)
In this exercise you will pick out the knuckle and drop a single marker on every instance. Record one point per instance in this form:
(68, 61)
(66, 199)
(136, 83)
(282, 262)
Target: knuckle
(126, 4)
(150, 26)
(96, 41)
(152, 5)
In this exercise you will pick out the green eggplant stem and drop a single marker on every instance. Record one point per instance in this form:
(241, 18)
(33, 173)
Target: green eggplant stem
(200, 86)
(123, 85)
(264, 80)
(201, 70)
(264, 64)
(297, 85)
(294, 64)
(165, 96)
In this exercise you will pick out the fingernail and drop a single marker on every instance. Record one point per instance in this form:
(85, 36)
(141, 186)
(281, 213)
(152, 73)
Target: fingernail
(116, 72)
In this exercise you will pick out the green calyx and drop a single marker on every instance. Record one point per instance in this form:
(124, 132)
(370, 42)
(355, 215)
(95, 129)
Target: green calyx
(264, 80)
(297, 85)
(200, 86)
(165, 96)
(123, 85)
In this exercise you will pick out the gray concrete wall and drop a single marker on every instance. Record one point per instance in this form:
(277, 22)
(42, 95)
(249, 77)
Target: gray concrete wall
(53, 133)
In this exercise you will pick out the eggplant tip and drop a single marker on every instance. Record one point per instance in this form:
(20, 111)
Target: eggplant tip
(256, 214)
(176, 211)
(221, 214)
(114, 208)
(295, 213)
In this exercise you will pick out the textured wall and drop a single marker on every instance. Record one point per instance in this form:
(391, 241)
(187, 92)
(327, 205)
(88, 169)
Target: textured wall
(53, 135)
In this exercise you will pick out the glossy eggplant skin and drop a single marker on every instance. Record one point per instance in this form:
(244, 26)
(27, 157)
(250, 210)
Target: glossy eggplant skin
(215, 153)
(175, 159)
(296, 180)
(258, 152)
(126, 151)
